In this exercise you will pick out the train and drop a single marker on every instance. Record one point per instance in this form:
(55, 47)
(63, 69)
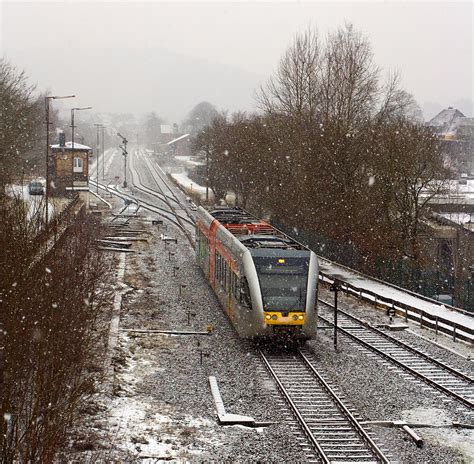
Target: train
(266, 282)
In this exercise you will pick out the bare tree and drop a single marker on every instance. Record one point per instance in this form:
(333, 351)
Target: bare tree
(212, 141)
(293, 90)
(152, 125)
(397, 103)
(21, 114)
(409, 170)
(199, 117)
(349, 82)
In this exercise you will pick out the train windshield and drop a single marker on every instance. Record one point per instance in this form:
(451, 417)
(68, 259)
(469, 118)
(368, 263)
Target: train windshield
(283, 282)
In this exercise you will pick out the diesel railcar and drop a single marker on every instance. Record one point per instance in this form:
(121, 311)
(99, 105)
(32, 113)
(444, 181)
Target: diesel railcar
(266, 282)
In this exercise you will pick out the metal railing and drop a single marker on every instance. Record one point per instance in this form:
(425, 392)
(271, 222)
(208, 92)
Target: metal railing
(425, 319)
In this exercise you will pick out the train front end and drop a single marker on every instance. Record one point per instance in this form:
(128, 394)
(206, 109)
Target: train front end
(283, 285)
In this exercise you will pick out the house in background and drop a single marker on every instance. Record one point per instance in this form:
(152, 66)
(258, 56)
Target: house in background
(456, 133)
(68, 168)
(180, 146)
(166, 133)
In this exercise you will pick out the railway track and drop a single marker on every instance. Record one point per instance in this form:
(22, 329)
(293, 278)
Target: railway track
(332, 432)
(184, 222)
(435, 373)
(169, 198)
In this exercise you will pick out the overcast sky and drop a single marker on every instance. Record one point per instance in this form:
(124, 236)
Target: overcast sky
(166, 57)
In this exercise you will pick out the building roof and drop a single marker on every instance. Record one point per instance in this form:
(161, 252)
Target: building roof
(178, 139)
(446, 122)
(77, 146)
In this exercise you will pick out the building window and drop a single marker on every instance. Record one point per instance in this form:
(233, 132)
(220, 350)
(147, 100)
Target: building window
(78, 165)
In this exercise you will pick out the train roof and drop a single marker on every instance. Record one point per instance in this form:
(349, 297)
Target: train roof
(252, 232)
(233, 215)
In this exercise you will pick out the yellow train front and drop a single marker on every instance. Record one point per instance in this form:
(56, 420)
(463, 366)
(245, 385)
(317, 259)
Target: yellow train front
(266, 281)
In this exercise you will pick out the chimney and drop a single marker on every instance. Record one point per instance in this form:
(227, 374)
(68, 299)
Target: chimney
(62, 139)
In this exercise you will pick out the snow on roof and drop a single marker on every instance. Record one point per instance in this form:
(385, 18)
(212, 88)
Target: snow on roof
(459, 218)
(178, 139)
(77, 146)
(447, 122)
(445, 117)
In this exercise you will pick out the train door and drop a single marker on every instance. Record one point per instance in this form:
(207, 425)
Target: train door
(228, 287)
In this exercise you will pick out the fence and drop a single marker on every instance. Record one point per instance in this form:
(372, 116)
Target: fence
(425, 281)
(425, 319)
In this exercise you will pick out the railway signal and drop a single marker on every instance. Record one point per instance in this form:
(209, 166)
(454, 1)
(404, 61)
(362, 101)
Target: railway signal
(124, 153)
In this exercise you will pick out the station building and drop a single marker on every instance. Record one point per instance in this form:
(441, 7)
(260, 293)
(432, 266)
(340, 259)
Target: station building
(68, 169)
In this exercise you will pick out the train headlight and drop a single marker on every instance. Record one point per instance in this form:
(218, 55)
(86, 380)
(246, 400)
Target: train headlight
(295, 317)
(300, 318)
(268, 317)
(274, 317)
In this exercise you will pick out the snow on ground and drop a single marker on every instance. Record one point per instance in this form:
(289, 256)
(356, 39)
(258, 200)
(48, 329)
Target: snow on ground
(190, 160)
(459, 439)
(190, 186)
(36, 202)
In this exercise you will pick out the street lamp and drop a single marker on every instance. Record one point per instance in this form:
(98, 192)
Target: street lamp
(72, 141)
(98, 126)
(46, 102)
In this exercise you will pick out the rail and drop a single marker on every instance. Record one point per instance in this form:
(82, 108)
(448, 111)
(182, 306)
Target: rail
(325, 413)
(379, 346)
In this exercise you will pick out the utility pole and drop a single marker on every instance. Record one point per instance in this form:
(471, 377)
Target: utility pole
(124, 153)
(98, 126)
(72, 142)
(48, 123)
(103, 157)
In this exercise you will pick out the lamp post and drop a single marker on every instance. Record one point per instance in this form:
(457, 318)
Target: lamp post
(46, 102)
(98, 126)
(72, 142)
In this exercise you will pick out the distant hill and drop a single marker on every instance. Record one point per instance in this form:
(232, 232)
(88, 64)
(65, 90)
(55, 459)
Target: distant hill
(141, 81)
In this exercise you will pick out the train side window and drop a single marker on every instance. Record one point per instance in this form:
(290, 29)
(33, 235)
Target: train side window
(220, 268)
(235, 287)
(225, 274)
(245, 293)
